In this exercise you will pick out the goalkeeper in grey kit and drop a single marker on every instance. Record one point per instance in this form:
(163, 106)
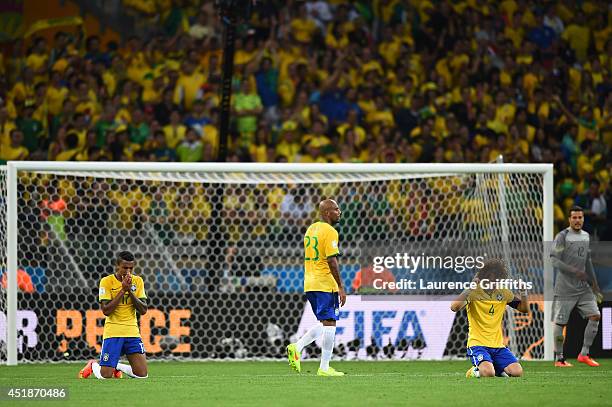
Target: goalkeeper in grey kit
(575, 286)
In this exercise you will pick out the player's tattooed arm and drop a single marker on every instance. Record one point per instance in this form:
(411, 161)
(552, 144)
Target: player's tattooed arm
(464, 298)
(461, 301)
(521, 304)
(109, 306)
(139, 303)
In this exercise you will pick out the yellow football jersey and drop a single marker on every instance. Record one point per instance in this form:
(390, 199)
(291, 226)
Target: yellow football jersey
(122, 321)
(485, 316)
(320, 242)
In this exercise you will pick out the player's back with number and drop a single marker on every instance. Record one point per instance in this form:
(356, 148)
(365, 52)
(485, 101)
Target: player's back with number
(323, 288)
(320, 242)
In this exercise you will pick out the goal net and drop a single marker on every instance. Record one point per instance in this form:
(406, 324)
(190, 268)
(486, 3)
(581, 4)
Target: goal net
(221, 250)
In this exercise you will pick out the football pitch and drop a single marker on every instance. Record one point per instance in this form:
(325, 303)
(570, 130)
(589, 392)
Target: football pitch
(273, 384)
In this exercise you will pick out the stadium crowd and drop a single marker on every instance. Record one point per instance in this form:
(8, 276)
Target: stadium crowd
(332, 81)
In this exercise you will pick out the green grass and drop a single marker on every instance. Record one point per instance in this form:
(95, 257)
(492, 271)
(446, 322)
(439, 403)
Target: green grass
(366, 383)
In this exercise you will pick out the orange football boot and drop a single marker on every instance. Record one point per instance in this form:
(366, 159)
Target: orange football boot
(587, 360)
(87, 370)
(563, 363)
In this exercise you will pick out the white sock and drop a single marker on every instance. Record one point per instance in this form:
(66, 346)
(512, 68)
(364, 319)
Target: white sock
(475, 372)
(95, 367)
(309, 337)
(127, 369)
(504, 374)
(589, 336)
(327, 348)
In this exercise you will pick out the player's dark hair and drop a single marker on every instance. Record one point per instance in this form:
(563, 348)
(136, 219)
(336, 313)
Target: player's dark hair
(575, 208)
(125, 256)
(493, 269)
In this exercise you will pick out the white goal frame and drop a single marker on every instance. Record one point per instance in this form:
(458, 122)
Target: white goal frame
(13, 168)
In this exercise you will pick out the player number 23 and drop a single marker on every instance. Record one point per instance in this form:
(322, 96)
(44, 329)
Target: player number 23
(315, 244)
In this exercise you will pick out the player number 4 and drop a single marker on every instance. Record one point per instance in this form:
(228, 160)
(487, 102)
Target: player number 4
(492, 310)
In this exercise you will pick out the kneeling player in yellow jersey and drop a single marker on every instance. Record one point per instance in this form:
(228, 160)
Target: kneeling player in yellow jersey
(485, 309)
(121, 295)
(322, 286)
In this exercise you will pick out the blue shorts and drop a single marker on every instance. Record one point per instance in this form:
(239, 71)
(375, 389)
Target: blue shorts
(500, 357)
(324, 305)
(113, 348)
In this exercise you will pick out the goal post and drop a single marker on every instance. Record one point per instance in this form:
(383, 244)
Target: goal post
(548, 205)
(237, 191)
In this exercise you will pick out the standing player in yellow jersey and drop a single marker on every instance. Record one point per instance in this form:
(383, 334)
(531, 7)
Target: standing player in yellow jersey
(322, 286)
(121, 295)
(486, 309)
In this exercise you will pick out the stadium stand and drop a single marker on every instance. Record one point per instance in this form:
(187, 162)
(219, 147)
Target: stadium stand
(331, 81)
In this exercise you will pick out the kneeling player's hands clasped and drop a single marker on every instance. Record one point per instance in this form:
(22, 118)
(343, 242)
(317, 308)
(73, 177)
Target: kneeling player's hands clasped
(126, 283)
